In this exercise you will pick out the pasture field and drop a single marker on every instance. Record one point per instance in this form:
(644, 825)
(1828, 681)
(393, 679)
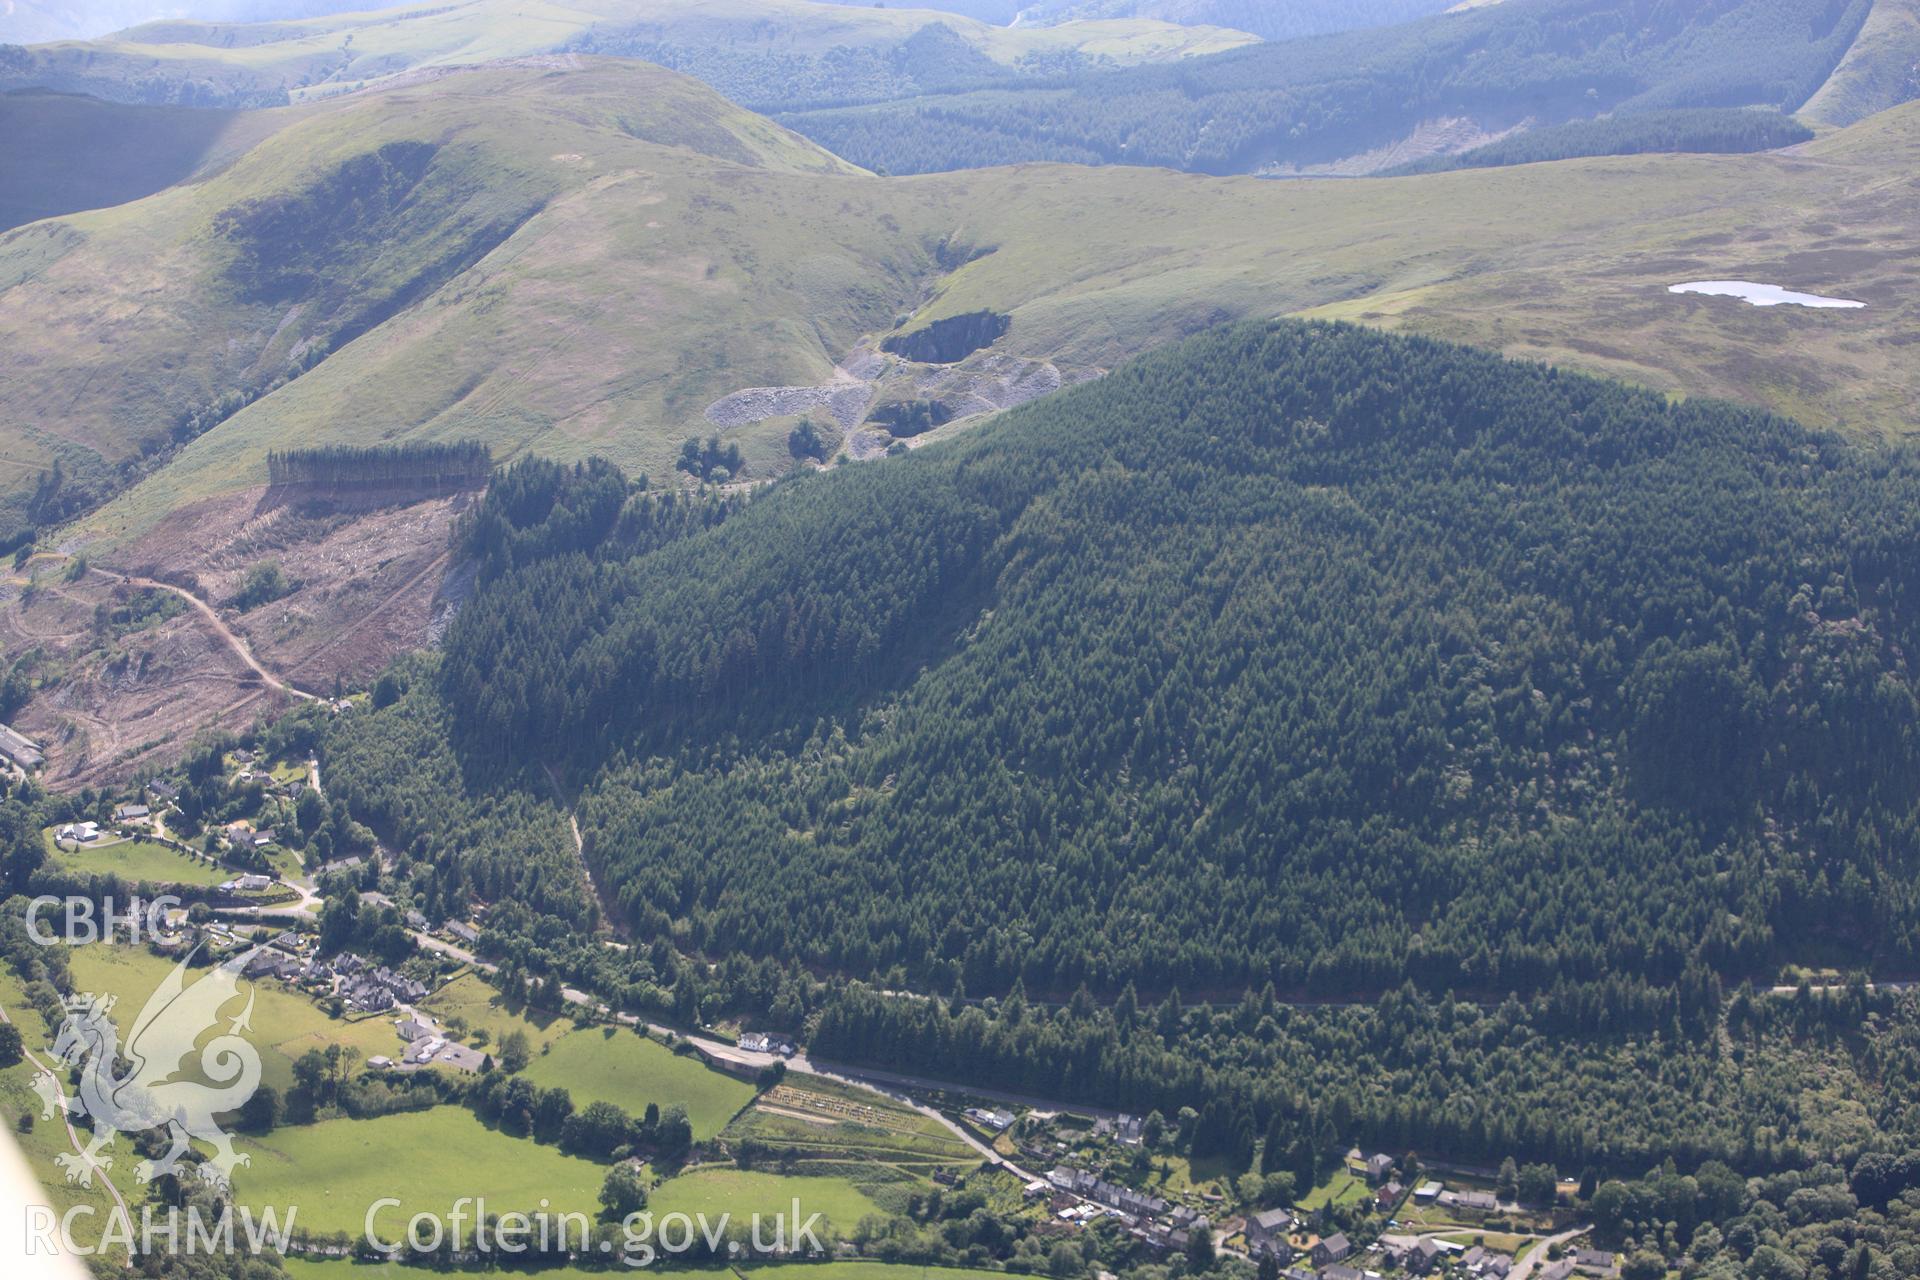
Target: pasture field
(628, 1071)
(473, 999)
(744, 1193)
(48, 1138)
(333, 1171)
(137, 859)
(284, 1024)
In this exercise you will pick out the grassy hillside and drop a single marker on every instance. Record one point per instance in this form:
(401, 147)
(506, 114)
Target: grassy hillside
(583, 260)
(1882, 69)
(1352, 102)
(768, 43)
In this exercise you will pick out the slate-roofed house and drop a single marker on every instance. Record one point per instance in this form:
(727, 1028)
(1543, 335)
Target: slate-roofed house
(132, 813)
(465, 932)
(369, 995)
(269, 963)
(1332, 1249)
(163, 791)
(1474, 1201)
(1342, 1273)
(1558, 1270)
(1422, 1257)
(1598, 1261)
(1267, 1233)
(403, 987)
(1378, 1167)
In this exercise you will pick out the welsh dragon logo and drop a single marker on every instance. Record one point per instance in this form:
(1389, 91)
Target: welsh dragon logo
(150, 1094)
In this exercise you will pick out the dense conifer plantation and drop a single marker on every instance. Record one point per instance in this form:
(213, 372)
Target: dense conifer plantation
(1294, 655)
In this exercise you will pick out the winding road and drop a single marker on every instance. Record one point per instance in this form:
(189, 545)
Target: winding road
(220, 628)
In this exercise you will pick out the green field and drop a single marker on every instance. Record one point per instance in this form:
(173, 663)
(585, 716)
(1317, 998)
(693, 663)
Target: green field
(284, 1024)
(474, 1000)
(48, 1138)
(630, 1072)
(717, 1191)
(332, 1172)
(597, 1064)
(146, 861)
(1342, 1188)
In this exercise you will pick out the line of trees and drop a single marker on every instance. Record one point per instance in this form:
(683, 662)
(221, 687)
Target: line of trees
(459, 464)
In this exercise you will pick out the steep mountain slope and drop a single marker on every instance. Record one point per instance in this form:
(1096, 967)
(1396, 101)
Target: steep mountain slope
(1362, 101)
(535, 262)
(1292, 654)
(765, 47)
(1882, 69)
(355, 215)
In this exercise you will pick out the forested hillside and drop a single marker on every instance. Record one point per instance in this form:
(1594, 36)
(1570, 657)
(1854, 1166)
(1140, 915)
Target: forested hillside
(1264, 18)
(1704, 129)
(1326, 100)
(1294, 655)
(790, 52)
(1268, 19)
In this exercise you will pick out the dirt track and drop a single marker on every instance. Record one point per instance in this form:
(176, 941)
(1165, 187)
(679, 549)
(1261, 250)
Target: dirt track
(220, 628)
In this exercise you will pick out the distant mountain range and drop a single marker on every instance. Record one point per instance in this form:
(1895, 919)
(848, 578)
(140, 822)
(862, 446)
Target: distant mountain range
(34, 21)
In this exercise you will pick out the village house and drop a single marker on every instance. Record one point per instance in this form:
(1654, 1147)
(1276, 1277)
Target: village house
(365, 993)
(1378, 1167)
(1482, 1261)
(1597, 1261)
(403, 987)
(1267, 1233)
(162, 791)
(1130, 1129)
(1342, 1273)
(247, 884)
(1426, 1193)
(1558, 1270)
(268, 963)
(1332, 1249)
(132, 813)
(1470, 1201)
(463, 932)
(998, 1121)
(1424, 1255)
